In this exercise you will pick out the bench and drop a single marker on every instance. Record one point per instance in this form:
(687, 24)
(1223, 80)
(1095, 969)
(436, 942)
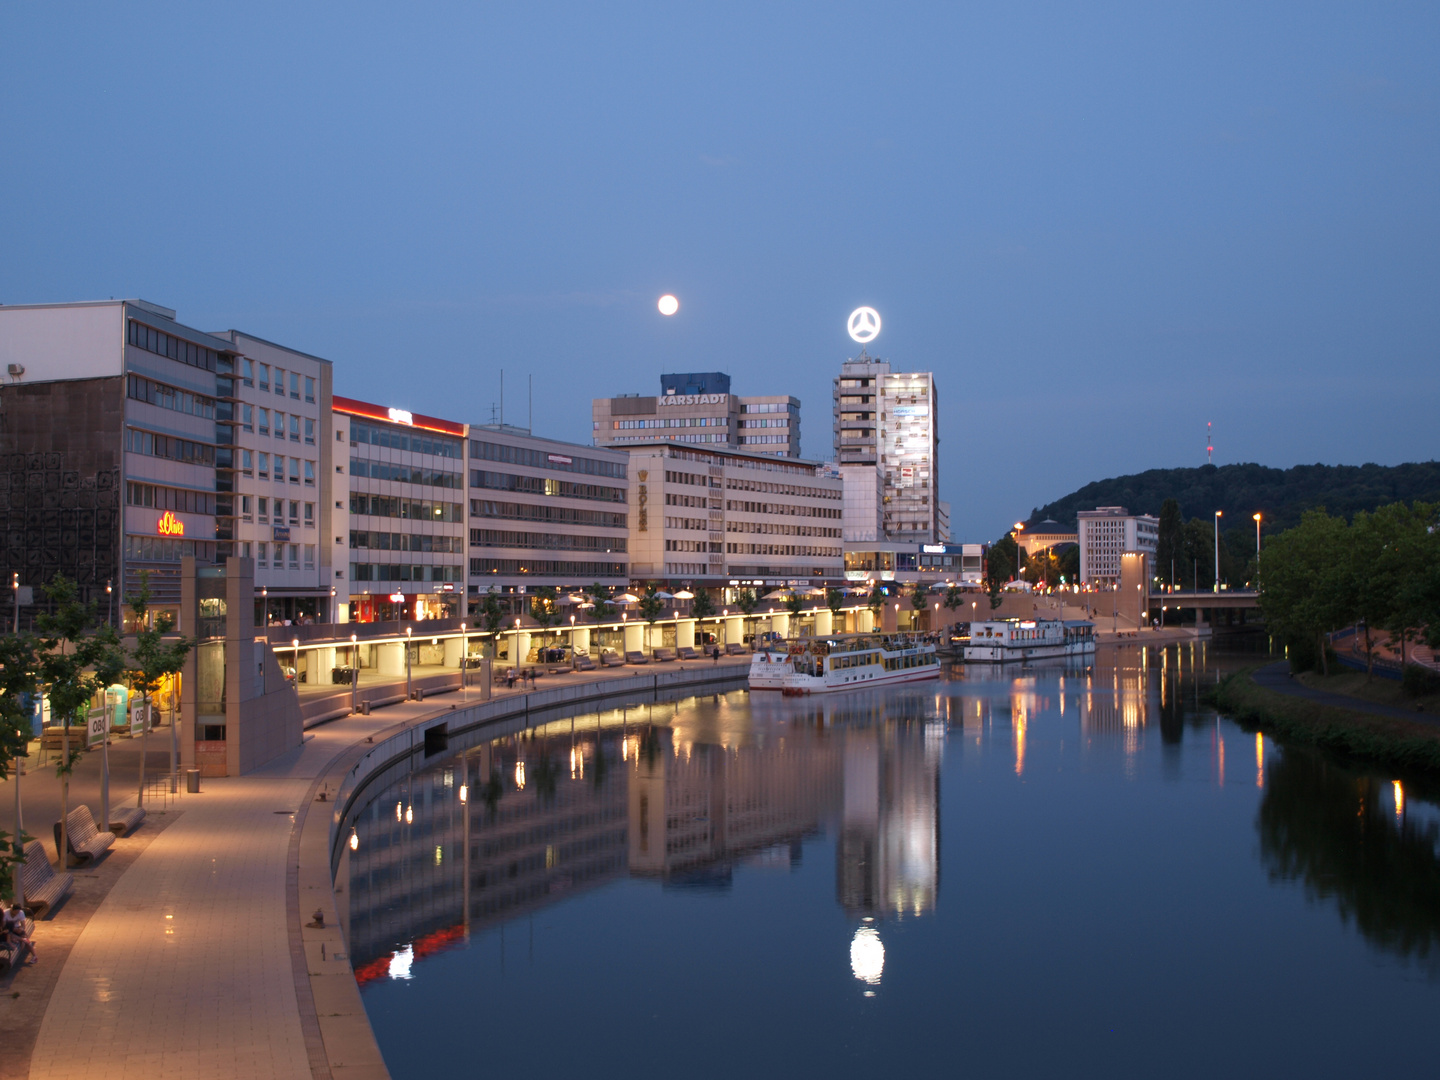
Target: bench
(124, 822)
(11, 953)
(87, 843)
(584, 663)
(636, 658)
(610, 659)
(664, 655)
(734, 649)
(687, 653)
(43, 889)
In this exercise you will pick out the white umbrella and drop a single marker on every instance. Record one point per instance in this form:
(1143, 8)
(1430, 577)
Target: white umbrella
(663, 595)
(778, 594)
(816, 591)
(566, 601)
(684, 594)
(586, 604)
(627, 598)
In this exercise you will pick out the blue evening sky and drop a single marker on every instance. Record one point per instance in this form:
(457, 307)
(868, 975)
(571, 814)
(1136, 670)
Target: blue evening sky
(1101, 225)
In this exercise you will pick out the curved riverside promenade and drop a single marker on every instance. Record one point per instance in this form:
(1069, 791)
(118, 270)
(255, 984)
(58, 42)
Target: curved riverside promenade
(205, 959)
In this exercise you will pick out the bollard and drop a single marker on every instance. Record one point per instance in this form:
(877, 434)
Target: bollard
(365, 707)
(192, 781)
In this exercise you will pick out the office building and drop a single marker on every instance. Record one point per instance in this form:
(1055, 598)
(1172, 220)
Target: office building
(698, 408)
(285, 474)
(118, 436)
(1108, 533)
(406, 512)
(887, 420)
(544, 512)
(714, 516)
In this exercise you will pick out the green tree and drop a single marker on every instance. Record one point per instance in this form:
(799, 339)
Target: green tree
(1000, 566)
(954, 597)
(876, 603)
(835, 601)
(1307, 590)
(1170, 541)
(152, 661)
(1375, 550)
(747, 602)
(492, 614)
(1068, 564)
(543, 611)
(81, 658)
(19, 691)
(794, 603)
(603, 611)
(651, 606)
(702, 607)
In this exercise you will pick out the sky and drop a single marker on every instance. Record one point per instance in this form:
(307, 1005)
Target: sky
(1101, 225)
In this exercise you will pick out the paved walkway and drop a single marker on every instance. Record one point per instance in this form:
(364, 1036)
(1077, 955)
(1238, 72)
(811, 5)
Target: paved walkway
(1277, 677)
(186, 968)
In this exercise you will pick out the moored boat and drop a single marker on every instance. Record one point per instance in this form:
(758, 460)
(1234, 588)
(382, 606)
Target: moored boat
(1005, 640)
(824, 664)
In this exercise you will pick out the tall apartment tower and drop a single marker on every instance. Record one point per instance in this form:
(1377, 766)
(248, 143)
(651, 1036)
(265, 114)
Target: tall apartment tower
(887, 420)
(697, 407)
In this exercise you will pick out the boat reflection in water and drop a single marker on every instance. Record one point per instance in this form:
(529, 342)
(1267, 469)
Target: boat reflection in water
(681, 794)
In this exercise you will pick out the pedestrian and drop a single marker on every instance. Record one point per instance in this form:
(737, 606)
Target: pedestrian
(16, 940)
(715, 654)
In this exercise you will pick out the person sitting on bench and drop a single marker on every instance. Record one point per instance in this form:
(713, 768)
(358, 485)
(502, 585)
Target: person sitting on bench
(17, 940)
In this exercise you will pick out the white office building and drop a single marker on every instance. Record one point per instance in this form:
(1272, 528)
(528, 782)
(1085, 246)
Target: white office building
(1108, 533)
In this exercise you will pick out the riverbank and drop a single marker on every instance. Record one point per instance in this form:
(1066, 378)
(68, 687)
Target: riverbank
(1355, 728)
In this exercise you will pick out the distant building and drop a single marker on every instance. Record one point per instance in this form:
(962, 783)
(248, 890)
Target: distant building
(888, 420)
(1048, 535)
(1106, 534)
(698, 407)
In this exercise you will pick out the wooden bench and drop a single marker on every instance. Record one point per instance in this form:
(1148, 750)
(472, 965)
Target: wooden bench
(43, 889)
(87, 843)
(664, 655)
(12, 952)
(687, 653)
(636, 658)
(611, 659)
(124, 822)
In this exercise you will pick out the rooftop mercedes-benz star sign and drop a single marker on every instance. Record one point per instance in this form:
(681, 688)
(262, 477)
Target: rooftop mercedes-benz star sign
(864, 324)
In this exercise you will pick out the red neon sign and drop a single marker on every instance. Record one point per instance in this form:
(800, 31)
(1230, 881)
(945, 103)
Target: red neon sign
(170, 525)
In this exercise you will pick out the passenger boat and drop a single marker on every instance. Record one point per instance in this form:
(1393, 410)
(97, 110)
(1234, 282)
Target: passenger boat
(821, 665)
(1006, 640)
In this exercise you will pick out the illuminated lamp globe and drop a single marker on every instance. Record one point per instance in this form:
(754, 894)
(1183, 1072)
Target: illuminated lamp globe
(668, 305)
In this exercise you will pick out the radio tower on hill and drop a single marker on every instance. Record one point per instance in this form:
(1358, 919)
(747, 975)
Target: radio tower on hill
(1209, 442)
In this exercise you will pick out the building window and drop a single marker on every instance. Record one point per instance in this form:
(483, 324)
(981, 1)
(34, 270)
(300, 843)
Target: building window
(247, 371)
(262, 465)
(264, 421)
(279, 424)
(295, 385)
(280, 381)
(245, 512)
(295, 470)
(294, 428)
(309, 431)
(264, 376)
(309, 389)
(309, 515)
(294, 556)
(261, 558)
(262, 510)
(294, 513)
(247, 418)
(168, 397)
(309, 474)
(246, 462)
(309, 556)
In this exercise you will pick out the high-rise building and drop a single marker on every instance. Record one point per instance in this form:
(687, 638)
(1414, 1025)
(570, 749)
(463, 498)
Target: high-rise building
(887, 420)
(1107, 534)
(697, 407)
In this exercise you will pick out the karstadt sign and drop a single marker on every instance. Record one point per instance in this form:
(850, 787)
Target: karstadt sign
(695, 399)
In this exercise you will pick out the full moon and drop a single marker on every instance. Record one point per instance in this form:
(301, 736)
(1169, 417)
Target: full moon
(668, 305)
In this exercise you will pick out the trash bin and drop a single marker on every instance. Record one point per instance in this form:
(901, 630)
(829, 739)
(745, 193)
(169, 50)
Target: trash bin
(365, 707)
(192, 781)
(419, 693)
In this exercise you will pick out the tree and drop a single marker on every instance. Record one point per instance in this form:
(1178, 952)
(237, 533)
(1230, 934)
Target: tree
(954, 597)
(152, 661)
(79, 661)
(794, 604)
(1307, 590)
(747, 602)
(835, 601)
(1068, 564)
(1170, 542)
(876, 603)
(600, 596)
(702, 607)
(651, 606)
(492, 614)
(542, 610)
(1000, 566)
(19, 691)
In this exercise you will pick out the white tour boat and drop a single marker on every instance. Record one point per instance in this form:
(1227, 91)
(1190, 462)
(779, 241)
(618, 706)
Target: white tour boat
(820, 665)
(1029, 639)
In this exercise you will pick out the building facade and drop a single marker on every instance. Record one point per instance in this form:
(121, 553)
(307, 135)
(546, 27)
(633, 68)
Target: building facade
(406, 512)
(117, 426)
(544, 512)
(1107, 534)
(887, 420)
(284, 503)
(714, 516)
(698, 408)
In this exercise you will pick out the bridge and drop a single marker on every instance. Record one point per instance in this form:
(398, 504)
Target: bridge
(1232, 599)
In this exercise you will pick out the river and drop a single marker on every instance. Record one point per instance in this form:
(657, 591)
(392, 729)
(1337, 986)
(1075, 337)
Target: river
(1042, 872)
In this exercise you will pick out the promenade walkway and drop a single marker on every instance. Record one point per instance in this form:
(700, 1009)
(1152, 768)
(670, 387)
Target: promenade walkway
(188, 968)
(1277, 677)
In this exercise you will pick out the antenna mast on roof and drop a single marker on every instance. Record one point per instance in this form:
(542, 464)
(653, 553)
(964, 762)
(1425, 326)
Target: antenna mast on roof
(1209, 442)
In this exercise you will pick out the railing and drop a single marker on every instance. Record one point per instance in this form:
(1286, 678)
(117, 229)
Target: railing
(340, 632)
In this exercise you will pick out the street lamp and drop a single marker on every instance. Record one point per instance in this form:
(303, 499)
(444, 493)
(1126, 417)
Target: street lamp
(1216, 587)
(408, 631)
(295, 660)
(109, 603)
(354, 670)
(334, 614)
(1139, 606)
(265, 600)
(1257, 549)
(572, 642)
(1019, 528)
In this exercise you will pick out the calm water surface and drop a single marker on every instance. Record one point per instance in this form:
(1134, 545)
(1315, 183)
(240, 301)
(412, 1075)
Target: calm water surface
(1047, 872)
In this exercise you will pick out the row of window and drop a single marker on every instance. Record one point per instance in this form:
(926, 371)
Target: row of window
(181, 500)
(770, 407)
(764, 488)
(781, 509)
(755, 440)
(693, 545)
(693, 479)
(167, 549)
(782, 549)
(535, 485)
(406, 474)
(573, 571)
(540, 459)
(167, 446)
(389, 506)
(397, 439)
(404, 572)
(676, 422)
(163, 344)
(263, 560)
(262, 511)
(760, 465)
(775, 528)
(547, 541)
(567, 515)
(700, 501)
(169, 397)
(247, 376)
(688, 523)
(263, 427)
(387, 541)
(765, 423)
(298, 467)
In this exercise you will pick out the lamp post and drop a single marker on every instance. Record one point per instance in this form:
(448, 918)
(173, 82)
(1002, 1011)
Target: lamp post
(1216, 587)
(464, 649)
(1139, 605)
(334, 614)
(19, 821)
(109, 609)
(1019, 528)
(408, 631)
(295, 660)
(1257, 550)
(265, 601)
(572, 642)
(515, 652)
(354, 670)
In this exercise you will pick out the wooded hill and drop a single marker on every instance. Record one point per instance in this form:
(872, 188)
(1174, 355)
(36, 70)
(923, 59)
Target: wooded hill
(1281, 495)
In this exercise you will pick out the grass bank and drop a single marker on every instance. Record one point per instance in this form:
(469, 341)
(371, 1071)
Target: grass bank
(1404, 744)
